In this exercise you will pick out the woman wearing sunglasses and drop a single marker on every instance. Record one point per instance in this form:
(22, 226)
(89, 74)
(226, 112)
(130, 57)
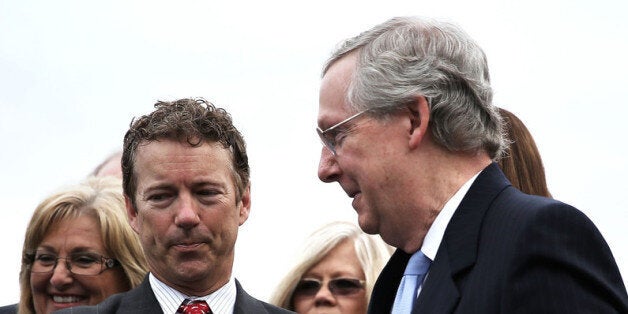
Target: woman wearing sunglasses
(335, 272)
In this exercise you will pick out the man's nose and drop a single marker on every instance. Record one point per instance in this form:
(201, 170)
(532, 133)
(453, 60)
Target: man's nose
(187, 212)
(328, 169)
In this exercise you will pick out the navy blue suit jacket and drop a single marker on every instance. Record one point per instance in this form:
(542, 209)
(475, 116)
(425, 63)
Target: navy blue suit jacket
(8, 309)
(508, 252)
(142, 300)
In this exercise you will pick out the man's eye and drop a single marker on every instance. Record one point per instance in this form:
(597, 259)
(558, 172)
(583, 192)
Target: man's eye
(158, 197)
(207, 192)
(339, 136)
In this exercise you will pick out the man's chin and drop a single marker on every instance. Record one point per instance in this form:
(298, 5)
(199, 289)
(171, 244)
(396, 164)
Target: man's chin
(192, 270)
(367, 226)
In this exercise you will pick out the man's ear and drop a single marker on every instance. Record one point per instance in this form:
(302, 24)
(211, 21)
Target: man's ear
(131, 213)
(245, 205)
(420, 118)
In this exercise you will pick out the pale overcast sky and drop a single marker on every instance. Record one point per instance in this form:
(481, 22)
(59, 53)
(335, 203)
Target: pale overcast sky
(74, 73)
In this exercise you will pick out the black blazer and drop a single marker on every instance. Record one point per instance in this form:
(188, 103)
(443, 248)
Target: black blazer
(142, 300)
(8, 309)
(508, 252)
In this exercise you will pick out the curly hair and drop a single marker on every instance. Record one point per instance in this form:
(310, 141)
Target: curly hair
(192, 120)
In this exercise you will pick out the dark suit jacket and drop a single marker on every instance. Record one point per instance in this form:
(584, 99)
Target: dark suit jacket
(142, 300)
(8, 309)
(508, 252)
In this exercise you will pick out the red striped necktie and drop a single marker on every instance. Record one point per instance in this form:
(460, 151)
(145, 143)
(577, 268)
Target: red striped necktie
(194, 307)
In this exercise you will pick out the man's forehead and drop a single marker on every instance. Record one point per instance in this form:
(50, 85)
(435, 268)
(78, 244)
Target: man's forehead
(333, 102)
(341, 70)
(164, 149)
(158, 159)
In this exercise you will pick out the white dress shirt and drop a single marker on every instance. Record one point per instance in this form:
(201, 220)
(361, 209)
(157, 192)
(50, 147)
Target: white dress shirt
(221, 301)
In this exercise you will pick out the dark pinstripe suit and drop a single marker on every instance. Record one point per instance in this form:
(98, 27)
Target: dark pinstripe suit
(8, 309)
(507, 252)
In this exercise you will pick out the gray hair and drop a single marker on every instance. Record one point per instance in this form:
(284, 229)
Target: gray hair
(406, 57)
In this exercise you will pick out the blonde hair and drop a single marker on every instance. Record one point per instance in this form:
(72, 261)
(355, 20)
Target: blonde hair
(100, 198)
(372, 254)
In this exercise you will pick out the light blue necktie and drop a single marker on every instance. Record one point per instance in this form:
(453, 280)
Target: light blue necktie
(412, 278)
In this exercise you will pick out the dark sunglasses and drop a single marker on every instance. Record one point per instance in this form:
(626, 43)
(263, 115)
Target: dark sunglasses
(338, 287)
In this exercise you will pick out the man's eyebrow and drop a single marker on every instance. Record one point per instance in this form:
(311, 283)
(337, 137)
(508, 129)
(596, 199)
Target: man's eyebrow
(158, 186)
(208, 183)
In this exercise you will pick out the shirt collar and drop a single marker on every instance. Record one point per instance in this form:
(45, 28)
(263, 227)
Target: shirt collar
(435, 234)
(220, 301)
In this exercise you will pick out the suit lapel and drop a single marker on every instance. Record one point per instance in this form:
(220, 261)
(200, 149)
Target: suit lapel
(385, 289)
(245, 303)
(457, 252)
(439, 293)
(140, 300)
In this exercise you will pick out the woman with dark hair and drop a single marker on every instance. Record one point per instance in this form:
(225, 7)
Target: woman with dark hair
(522, 162)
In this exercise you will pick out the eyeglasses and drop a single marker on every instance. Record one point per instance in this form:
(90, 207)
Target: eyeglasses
(330, 138)
(84, 263)
(338, 287)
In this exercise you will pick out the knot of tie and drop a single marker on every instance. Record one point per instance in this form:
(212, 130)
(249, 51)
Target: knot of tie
(194, 307)
(417, 265)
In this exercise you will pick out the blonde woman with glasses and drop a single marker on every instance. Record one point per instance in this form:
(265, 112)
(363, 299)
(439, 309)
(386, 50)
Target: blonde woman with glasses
(335, 272)
(79, 249)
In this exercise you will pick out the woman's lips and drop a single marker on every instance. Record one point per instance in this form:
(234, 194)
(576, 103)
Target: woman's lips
(66, 301)
(66, 298)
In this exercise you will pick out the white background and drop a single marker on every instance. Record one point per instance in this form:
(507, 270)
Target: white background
(74, 73)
